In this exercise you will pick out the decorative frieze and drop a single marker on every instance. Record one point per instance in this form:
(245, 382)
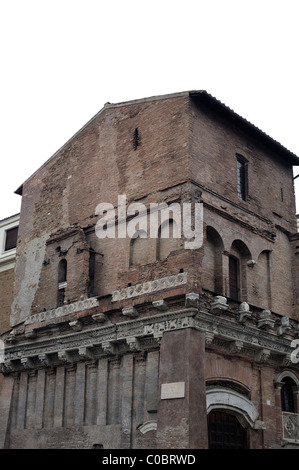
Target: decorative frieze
(64, 310)
(145, 333)
(149, 287)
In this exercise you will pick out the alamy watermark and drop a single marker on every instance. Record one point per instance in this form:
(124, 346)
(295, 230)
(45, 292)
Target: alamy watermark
(136, 220)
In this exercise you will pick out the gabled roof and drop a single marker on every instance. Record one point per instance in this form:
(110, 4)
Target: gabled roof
(200, 96)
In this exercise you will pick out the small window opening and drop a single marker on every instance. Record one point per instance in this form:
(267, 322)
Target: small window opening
(136, 139)
(11, 238)
(62, 271)
(233, 278)
(62, 274)
(242, 175)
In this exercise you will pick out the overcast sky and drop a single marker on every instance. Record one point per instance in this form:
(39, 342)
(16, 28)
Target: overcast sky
(61, 61)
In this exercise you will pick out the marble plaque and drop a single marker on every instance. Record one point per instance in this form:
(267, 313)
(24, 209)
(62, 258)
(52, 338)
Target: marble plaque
(173, 390)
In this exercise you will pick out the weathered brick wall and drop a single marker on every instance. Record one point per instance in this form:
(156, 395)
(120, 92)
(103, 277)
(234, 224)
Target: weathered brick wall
(6, 298)
(6, 290)
(96, 166)
(183, 154)
(92, 399)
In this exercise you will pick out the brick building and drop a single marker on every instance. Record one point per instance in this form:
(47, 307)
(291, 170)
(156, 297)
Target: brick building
(139, 342)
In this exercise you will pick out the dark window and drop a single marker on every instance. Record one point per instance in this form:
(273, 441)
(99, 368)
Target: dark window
(233, 278)
(62, 270)
(242, 174)
(62, 273)
(225, 431)
(11, 238)
(287, 396)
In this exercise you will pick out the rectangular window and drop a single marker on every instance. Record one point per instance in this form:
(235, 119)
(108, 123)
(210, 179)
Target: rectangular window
(242, 175)
(11, 238)
(233, 278)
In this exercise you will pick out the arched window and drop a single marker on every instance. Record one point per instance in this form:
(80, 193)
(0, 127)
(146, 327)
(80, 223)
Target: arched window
(139, 248)
(287, 395)
(239, 256)
(167, 239)
(212, 275)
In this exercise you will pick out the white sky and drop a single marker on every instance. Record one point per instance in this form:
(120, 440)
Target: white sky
(62, 60)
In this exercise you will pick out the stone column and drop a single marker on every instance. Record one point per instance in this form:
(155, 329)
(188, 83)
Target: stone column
(5, 406)
(151, 385)
(278, 413)
(31, 398)
(40, 398)
(79, 394)
(59, 397)
(182, 416)
(126, 396)
(296, 398)
(102, 392)
(22, 400)
(91, 392)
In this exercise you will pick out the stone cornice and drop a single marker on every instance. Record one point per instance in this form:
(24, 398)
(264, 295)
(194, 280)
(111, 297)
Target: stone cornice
(145, 333)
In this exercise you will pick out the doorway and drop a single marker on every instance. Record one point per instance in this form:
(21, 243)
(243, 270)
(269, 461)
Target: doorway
(225, 431)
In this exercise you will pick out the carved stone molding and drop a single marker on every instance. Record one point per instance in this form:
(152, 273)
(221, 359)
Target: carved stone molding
(145, 333)
(61, 311)
(174, 280)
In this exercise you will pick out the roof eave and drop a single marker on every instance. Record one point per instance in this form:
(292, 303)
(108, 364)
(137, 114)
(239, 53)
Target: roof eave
(204, 97)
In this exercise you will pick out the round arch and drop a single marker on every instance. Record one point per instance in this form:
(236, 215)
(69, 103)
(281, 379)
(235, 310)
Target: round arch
(233, 403)
(288, 373)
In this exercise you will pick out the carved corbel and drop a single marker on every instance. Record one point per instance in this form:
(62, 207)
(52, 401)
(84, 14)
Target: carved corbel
(262, 355)
(75, 325)
(64, 356)
(160, 305)
(265, 321)
(286, 360)
(30, 334)
(99, 317)
(130, 312)
(209, 337)
(133, 343)
(44, 359)
(11, 338)
(192, 300)
(235, 347)
(9, 366)
(244, 312)
(27, 362)
(219, 304)
(284, 326)
(85, 352)
(108, 347)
